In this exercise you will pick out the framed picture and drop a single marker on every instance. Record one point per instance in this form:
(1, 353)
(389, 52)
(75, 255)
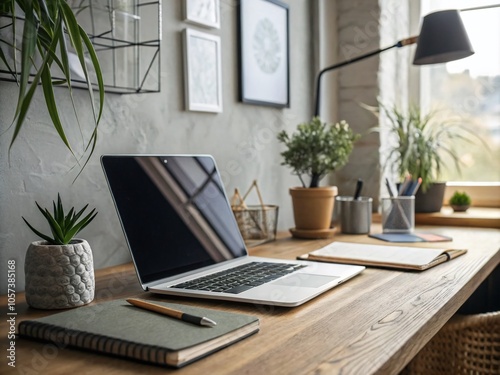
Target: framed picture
(203, 12)
(264, 52)
(202, 71)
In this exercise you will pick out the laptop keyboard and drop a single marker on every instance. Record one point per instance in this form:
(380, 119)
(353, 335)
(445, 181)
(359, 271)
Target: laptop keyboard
(238, 279)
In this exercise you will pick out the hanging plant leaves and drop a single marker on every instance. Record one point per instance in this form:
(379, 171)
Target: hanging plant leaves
(46, 26)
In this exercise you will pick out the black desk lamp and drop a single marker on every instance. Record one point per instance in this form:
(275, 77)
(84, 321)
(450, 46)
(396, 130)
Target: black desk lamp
(442, 38)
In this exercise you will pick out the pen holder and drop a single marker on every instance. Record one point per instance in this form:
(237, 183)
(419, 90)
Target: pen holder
(398, 214)
(355, 214)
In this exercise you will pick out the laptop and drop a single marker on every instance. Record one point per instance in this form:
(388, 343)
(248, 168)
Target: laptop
(184, 239)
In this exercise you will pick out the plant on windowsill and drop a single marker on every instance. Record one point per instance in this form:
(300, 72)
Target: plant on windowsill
(36, 36)
(460, 202)
(424, 146)
(59, 270)
(316, 149)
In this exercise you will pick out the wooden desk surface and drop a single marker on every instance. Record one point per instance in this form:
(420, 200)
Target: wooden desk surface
(373, 324)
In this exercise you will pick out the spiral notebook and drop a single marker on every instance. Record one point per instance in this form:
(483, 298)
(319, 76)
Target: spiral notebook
(120, 329)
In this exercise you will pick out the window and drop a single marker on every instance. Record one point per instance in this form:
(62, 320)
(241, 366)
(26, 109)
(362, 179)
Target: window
(470, 88)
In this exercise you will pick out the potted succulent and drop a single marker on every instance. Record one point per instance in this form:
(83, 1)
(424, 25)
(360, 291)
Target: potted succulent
(59, 270)
(460, 202)
(316, 149)
(424, 146)
(36, 36)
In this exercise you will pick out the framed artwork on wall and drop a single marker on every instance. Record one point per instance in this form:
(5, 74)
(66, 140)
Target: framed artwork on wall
(202, 71)
(264, 52)
(203, 12)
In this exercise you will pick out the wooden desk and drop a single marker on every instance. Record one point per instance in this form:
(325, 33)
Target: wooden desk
(373, 324)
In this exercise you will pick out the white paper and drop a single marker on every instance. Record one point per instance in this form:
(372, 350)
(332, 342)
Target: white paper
(405, 255)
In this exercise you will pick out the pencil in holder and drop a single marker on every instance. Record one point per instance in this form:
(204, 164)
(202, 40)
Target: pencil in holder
(398, 214)
(257, 223)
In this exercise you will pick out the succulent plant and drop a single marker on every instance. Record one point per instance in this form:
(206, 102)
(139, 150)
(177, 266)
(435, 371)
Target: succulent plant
(460, 199)
(63, 227)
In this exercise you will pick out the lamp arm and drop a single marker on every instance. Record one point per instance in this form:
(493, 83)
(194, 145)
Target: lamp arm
(401, 43)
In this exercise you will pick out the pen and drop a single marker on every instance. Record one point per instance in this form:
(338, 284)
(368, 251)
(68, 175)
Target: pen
(199, 320)
(404, 185)
(359, 186)
(389, 187)
(417, 185)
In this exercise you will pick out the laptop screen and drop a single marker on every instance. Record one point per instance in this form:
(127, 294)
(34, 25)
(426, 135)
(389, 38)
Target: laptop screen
(174, 212)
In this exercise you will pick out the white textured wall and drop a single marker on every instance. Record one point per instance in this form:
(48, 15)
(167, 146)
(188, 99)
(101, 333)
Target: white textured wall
(365, 26)
(242, 139)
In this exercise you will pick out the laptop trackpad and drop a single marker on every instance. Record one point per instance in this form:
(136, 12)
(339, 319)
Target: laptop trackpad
(306, 280)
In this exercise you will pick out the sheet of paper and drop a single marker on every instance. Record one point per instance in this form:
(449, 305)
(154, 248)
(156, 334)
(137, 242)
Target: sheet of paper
(381, 254)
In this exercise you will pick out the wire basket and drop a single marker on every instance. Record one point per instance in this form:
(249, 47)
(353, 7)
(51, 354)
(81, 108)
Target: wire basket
(257, 223)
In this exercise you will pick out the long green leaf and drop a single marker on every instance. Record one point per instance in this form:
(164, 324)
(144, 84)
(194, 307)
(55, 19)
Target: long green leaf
(77, 35)
(27, 52)
(67, 223)
(60, 209)
(100, 83)
(86, 221)
(80, 225)
(50, 102)
(54, 227)
(25, 104)
(43, 236)
(77, 216)
(25, 101)
(98, 72)
(6, 63)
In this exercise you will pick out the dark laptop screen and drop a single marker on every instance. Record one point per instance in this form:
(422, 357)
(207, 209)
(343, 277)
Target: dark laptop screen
(174, 212)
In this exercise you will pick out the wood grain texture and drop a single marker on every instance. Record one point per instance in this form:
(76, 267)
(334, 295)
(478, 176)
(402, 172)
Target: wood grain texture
(373, 324)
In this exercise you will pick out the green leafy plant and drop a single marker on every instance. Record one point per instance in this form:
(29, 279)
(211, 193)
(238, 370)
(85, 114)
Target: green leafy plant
(64, 227)
(424, 145)
(50, 34)
(317, 149)
(460, 199)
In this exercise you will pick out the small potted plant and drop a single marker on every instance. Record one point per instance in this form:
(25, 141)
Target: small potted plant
(59, 270)
(460, 202)
(424, 146)
(316, 149)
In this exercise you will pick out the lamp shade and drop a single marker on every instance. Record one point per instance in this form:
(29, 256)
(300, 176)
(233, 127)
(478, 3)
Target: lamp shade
(442, 38)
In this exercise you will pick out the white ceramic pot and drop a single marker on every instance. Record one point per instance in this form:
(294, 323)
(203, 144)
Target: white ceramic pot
(59, 276)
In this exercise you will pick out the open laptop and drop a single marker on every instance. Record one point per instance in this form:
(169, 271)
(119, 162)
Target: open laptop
(185, 241)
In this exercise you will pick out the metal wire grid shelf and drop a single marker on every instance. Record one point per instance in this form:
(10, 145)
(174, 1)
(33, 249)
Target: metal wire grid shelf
(126, 35)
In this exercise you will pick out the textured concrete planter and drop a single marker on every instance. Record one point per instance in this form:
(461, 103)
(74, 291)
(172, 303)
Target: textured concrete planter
(59, 276)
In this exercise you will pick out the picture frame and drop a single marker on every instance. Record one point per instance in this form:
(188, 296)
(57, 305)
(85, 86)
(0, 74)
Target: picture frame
(202, 71)
(203, 12)
(264, 57)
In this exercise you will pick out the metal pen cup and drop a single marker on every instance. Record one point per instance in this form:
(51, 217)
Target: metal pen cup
(398, 214)
(355, 214)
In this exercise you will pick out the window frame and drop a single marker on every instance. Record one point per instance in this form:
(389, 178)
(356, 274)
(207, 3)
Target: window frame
(483, 194)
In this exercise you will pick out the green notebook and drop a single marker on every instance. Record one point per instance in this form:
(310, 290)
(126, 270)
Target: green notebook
(120, 329)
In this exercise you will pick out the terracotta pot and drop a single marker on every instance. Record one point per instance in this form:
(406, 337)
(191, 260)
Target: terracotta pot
(313, 207)
(59, 276)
